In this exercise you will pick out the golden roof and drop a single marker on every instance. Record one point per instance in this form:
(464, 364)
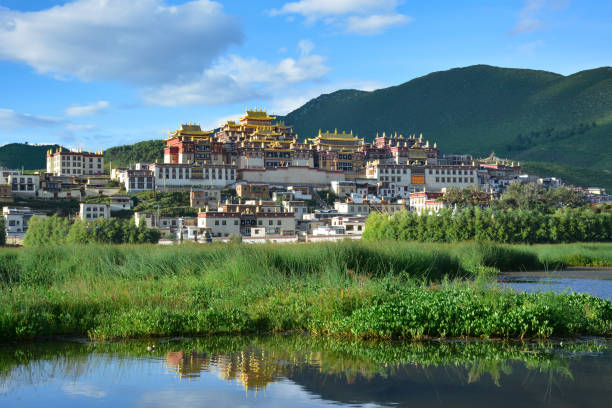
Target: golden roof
(257, 115)
(324, 138)
(190, 130)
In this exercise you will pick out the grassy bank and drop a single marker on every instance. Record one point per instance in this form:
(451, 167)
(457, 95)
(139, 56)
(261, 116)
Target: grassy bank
(349, 289)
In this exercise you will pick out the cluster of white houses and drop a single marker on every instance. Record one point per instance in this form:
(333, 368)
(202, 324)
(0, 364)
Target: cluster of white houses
(277, 178)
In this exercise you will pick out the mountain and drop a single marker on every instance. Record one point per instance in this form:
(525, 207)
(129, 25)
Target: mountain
(24, 155)
(526, 115)
(553, 124)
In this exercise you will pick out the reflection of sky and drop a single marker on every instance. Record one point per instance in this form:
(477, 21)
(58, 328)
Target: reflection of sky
(145, 383)
(219, 393)
(596, 287)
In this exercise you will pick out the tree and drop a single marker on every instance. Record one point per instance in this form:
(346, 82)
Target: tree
(79, 233)
(463, 198)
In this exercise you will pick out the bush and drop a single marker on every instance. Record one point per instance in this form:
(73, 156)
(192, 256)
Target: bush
(44, 231)
(503, 226)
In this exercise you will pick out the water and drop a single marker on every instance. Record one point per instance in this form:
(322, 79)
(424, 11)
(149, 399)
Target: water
(299, 371)
(594, 281)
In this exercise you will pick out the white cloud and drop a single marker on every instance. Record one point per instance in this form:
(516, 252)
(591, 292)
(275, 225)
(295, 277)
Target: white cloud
(365, 17)
(10, 120)
(375, 24)
(530, 15)
(138, 41)
(87, 110)
(80, 128)
(315, 9)
(235, 79)
(211, 88)
(305, 47)
(84, 390)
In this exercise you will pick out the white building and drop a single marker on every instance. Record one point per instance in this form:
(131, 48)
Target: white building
(24, 184)
(4, 175)
(439, 177)
(220, 224)
(91, 211)
(399, 180)
(175, 174)
(351, 225)
(136, 180)
(298, 208)
(394, 180)
(352, 208)
(17, 218)
(69, 163)
(426, 202)
(120, 203)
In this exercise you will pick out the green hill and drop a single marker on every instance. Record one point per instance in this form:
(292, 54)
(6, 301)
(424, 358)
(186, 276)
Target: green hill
(148, 152)
(24, 155)
(526, 115)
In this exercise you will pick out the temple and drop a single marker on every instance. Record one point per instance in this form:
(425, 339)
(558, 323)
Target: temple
(258, 148)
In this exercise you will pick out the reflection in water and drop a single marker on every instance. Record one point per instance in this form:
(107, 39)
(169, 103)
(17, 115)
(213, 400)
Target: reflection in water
(346, 372)
(251, 367)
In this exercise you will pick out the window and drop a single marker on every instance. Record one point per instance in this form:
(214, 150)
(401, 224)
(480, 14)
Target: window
(217, 222)
(223, 222)
(270, 222)
(278, 222)
(236, 222)
(437, 179)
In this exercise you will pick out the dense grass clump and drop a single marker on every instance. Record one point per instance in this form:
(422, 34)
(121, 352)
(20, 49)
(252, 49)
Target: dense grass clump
(352, 289)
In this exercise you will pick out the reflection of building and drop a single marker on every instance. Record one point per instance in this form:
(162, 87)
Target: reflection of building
(188, 365)
(250, 367)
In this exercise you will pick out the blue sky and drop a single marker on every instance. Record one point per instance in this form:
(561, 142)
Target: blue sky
(100, 73)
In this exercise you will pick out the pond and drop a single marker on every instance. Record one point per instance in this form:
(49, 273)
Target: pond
(594, 281)
(301, 371)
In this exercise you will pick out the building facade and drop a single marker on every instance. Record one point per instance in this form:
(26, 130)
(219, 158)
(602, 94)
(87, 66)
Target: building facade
(74, 163)
(91, 211)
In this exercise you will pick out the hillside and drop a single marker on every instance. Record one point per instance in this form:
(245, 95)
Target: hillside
(148, 152)
(23, 155)
(523, 114)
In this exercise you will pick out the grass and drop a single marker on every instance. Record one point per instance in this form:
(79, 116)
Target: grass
(349, 290)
